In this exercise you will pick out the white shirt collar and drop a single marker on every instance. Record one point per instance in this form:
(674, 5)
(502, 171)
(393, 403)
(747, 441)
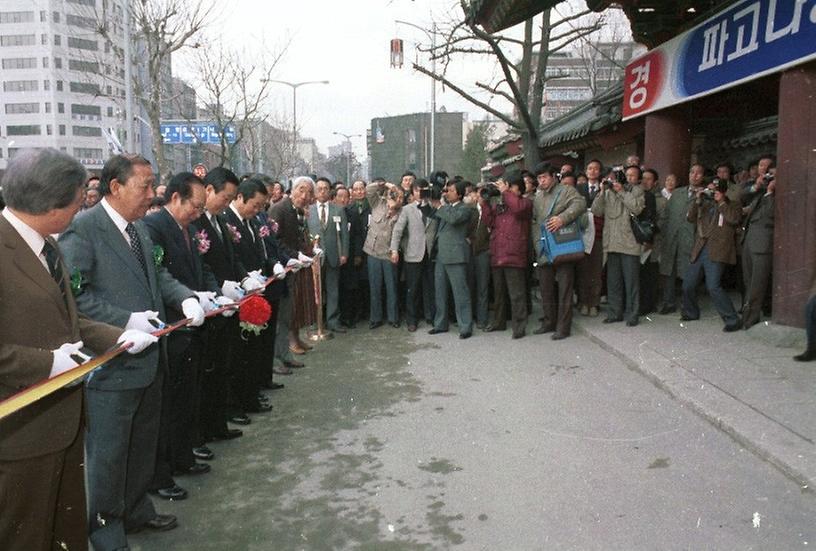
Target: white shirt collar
(31, 237)
(117, 218)
(238, 214)
(456, 203)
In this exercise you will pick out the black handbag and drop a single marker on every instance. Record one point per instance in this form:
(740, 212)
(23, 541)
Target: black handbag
(643, 229)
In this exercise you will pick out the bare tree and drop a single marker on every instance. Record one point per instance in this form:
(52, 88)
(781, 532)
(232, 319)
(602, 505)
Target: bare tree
(234, 86)
(161, 28)
(522, 63)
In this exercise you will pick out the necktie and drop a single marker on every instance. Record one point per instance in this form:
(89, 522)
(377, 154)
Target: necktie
(136, 246)
(54, 267)
(186, 235)
(323, 220)
(216, 226)
(249, 229)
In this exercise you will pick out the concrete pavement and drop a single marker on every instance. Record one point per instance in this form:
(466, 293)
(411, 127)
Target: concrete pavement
(745, 383)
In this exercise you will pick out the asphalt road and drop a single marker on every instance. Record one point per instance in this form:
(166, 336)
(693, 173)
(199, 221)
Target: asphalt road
(391, 441)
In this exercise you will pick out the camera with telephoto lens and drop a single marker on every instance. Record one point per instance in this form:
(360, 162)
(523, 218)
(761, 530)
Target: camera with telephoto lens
(489, 190)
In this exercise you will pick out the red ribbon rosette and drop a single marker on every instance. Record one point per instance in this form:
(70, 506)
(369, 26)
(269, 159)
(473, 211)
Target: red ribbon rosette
(254, 314)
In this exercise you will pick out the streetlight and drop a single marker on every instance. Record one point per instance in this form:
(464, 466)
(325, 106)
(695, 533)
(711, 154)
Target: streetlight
(295, 86)
(432, 36)
(348, 138)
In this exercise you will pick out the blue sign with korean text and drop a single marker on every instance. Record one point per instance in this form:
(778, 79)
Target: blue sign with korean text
(192, 133)
(743, 42)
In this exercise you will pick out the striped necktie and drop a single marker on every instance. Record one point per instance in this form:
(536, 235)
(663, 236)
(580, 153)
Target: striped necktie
(55, 268)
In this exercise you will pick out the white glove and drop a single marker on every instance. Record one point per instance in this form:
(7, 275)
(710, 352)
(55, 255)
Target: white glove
(305, 260)
(294, 264)
(63, 360)
(278, 270)
(206, 300)
(223, 301)
(138, 340)
(141, 321)
(317, 251)
(251, 284)
(232, 289)
(193, 311)
(257, 276)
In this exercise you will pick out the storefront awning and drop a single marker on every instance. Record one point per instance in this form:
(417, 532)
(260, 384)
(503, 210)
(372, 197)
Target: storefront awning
(598, 113)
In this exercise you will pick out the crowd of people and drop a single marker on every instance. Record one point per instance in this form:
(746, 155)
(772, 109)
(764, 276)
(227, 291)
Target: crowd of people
(144, 254)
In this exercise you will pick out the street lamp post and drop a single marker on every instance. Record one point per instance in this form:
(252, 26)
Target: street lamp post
(348, 138)
(432, 37)
(295, 86)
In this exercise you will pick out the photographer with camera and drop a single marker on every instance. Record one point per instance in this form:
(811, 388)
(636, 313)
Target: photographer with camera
(757, 240)
(409, 238)
(508, 218)
(385, 200)
(716, 218)
(615, 204)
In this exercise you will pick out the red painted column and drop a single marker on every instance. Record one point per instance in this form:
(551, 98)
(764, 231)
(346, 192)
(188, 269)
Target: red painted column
(795, 225)
(667, 144)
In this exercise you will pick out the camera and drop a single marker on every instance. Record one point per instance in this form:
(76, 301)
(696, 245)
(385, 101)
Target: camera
(393, 194)
(489, 190)
(768, 178)
(425, 193)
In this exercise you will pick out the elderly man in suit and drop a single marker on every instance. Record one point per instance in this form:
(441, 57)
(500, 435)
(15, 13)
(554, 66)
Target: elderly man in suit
(127, 286)
(452, 255)
(328, 221)
(42, 490)
(677, 237)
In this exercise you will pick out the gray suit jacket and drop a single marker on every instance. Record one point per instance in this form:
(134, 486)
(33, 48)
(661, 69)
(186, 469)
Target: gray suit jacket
(116, 287)
(758, 237)
(334, 244)
(451, 234)
(411, 242)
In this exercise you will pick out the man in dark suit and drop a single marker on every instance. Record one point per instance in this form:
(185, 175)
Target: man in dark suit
(589, 270)
(180, 440)
(328, 221)
(757, 245)
(479, 266)
(452, 255)
(250, 250)
(42, 489)
(220, 367)
(354, 299)
(127, 287)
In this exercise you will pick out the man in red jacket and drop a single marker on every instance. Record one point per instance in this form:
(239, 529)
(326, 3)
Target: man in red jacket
(508, 219)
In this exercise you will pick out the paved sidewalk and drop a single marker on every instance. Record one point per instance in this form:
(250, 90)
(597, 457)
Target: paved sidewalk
(745, 383)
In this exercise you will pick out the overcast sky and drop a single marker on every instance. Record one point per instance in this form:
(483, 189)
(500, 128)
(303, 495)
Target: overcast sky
(347, 43)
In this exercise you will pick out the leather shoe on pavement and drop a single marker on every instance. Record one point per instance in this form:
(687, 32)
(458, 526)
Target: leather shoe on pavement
(612, 320)
(240, 419)
(228, 434)
(159, 523)
(806, 356)
(281, 370)
(666, 309)
(467, 335)
(411, 327)
(375, 324)
(558, 336)
(173, 493)
(204, 453)
(543, 329)
(736, 326)
(293, 364)
(197, 468)
(684, 317)
(436, 331)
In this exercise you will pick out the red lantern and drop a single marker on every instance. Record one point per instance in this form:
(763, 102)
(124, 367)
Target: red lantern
(396, 53)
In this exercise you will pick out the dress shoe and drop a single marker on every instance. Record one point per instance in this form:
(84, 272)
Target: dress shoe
(411, 327)
(489, 328)
(436, 331)
(204, 453)
(259, 408)
(518, 334)
(375, 324)
(666, 309)
(593, 311)
(240, 419)
(293, 364)
(294, 349)
(736, 326)
(806, 356)
(227, 434)
(159, 523)
(631, 323)
(272, 385)
(395, 324)
(542, 329)
(612, 320)
(197, 468)
(684, 317)
(281, 370)
(558, 336)
(467, 335)
(174, 493)
(263, 399)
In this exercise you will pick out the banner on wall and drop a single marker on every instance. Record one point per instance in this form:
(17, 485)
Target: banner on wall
(743, 42)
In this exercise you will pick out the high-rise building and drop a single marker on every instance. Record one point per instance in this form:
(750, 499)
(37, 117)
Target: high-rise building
(62, 79)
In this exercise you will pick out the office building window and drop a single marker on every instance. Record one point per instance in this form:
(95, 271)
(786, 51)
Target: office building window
(86, 131)
(20, 63)
(16, 16)
(18, 39)
(22, 108)
(82, 43)
(20, 86)
(62, 130)
(84, 88)
(24, 130)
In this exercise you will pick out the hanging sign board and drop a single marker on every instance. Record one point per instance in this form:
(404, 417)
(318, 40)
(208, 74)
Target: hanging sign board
(745, 41)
